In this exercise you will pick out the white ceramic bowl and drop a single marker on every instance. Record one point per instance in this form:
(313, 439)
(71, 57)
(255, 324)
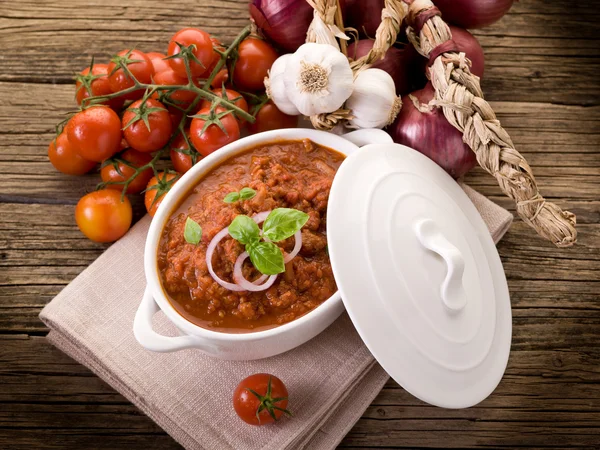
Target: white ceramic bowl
(241, 346)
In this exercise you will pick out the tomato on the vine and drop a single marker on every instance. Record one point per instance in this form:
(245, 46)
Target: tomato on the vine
(140, 67)
(156, 189)
(252, 66)
(269, 117)
(95, 133)
(260, 399)
(202, 51)
(207, 135)
(95, 84)
(182, 156)
(222, 75)
(176, 115)
(236, 98)
(122, 167)
(159, 63)
(102, 216)
(180, 97)
(65, 159)
(147, 125)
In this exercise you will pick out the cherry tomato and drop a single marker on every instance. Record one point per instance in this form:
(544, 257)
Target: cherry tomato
(156, 189)
(240, 101)
(94, 84)
(142, 69)
(95, 133)
(176, 115)
(255, 59)
(180, 97)
(182, 157)
(203, 51)
(223, 74)
(260, 399)
(65, 159)
(158, 61)
(269, 117)
(102, 216)
(213, 137)
(220, 79)
(138, 134)
(121, 168)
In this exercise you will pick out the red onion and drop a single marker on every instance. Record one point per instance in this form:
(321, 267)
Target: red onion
(364, 15)
(240, 280)
(284, 22)
(469, 44)
(473, 13)
(401, 64)
(431, 134)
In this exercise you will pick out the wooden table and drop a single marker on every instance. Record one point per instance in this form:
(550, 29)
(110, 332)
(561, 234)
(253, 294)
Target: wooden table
(542, 72)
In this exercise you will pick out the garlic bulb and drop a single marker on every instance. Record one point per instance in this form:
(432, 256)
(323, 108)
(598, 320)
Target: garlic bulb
(373, 102)
(318, 79)
(276, 88)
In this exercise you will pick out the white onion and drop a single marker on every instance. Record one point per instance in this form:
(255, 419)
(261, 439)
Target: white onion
(209, 254)
(296, 249)
(239, 278)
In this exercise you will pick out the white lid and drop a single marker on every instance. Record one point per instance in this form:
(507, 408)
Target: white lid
(419, 275)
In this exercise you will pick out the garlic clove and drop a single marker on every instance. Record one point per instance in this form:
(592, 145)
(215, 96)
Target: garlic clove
(318, 79)
(276, 88)
(374, 103)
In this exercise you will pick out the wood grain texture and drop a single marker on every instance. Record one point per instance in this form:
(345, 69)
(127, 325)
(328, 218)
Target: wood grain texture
(542, 66)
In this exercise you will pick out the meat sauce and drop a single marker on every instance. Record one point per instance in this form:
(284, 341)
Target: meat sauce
(287, 174)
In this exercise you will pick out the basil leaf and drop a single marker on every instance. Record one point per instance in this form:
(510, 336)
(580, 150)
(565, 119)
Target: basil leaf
(266, 257)
(247, 193)
(283, 223)
(232, 197)
(245, 230)
(192, 231)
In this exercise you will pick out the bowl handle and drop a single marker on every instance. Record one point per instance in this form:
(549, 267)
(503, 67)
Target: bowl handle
(367, 136)
(151, 340)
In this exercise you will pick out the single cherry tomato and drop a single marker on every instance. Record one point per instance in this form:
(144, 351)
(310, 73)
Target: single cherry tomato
(65, 159)
(203, 51)
(223, 74)
(102, 216)
(255, 59)
(94, 84)
(180, 97)
(269, 117)
(260, 399)
(122, 167)
(213, 137)
(140, 67)
(156, 189)
(237, 99)
(220, 79)
(95, 133)
(159, 63)
(151, 137)
(176, 115)
(182, 156)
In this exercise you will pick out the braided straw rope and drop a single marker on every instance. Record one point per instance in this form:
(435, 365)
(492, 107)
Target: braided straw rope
(459, 94)
(329, 12)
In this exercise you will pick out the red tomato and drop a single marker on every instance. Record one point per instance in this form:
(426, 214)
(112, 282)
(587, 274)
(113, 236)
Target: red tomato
(223, 74)
(95, 133)
(260, 399)
(123, 167)
(158, 61)
(96, 84)
(255, 59)
(180, 97)
(182, 157)
(220, 79)
(269, 117)
(65, 159)
(102, 216)
(240, 101)
(203, 51)
(137, 133)
(175, 115)
(213, 137)
(156, 189)
(141, 69)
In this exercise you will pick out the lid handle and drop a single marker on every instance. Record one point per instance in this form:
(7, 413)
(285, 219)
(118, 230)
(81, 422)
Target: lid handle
(452, 291)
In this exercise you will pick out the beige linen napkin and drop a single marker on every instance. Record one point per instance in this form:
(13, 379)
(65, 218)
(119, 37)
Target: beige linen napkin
(332, 379)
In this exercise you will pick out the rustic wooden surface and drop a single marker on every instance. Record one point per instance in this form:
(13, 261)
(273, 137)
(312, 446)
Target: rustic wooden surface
(542, 72)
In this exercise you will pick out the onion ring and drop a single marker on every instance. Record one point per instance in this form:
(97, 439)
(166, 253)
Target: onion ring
(239, 278)
(209, 254)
